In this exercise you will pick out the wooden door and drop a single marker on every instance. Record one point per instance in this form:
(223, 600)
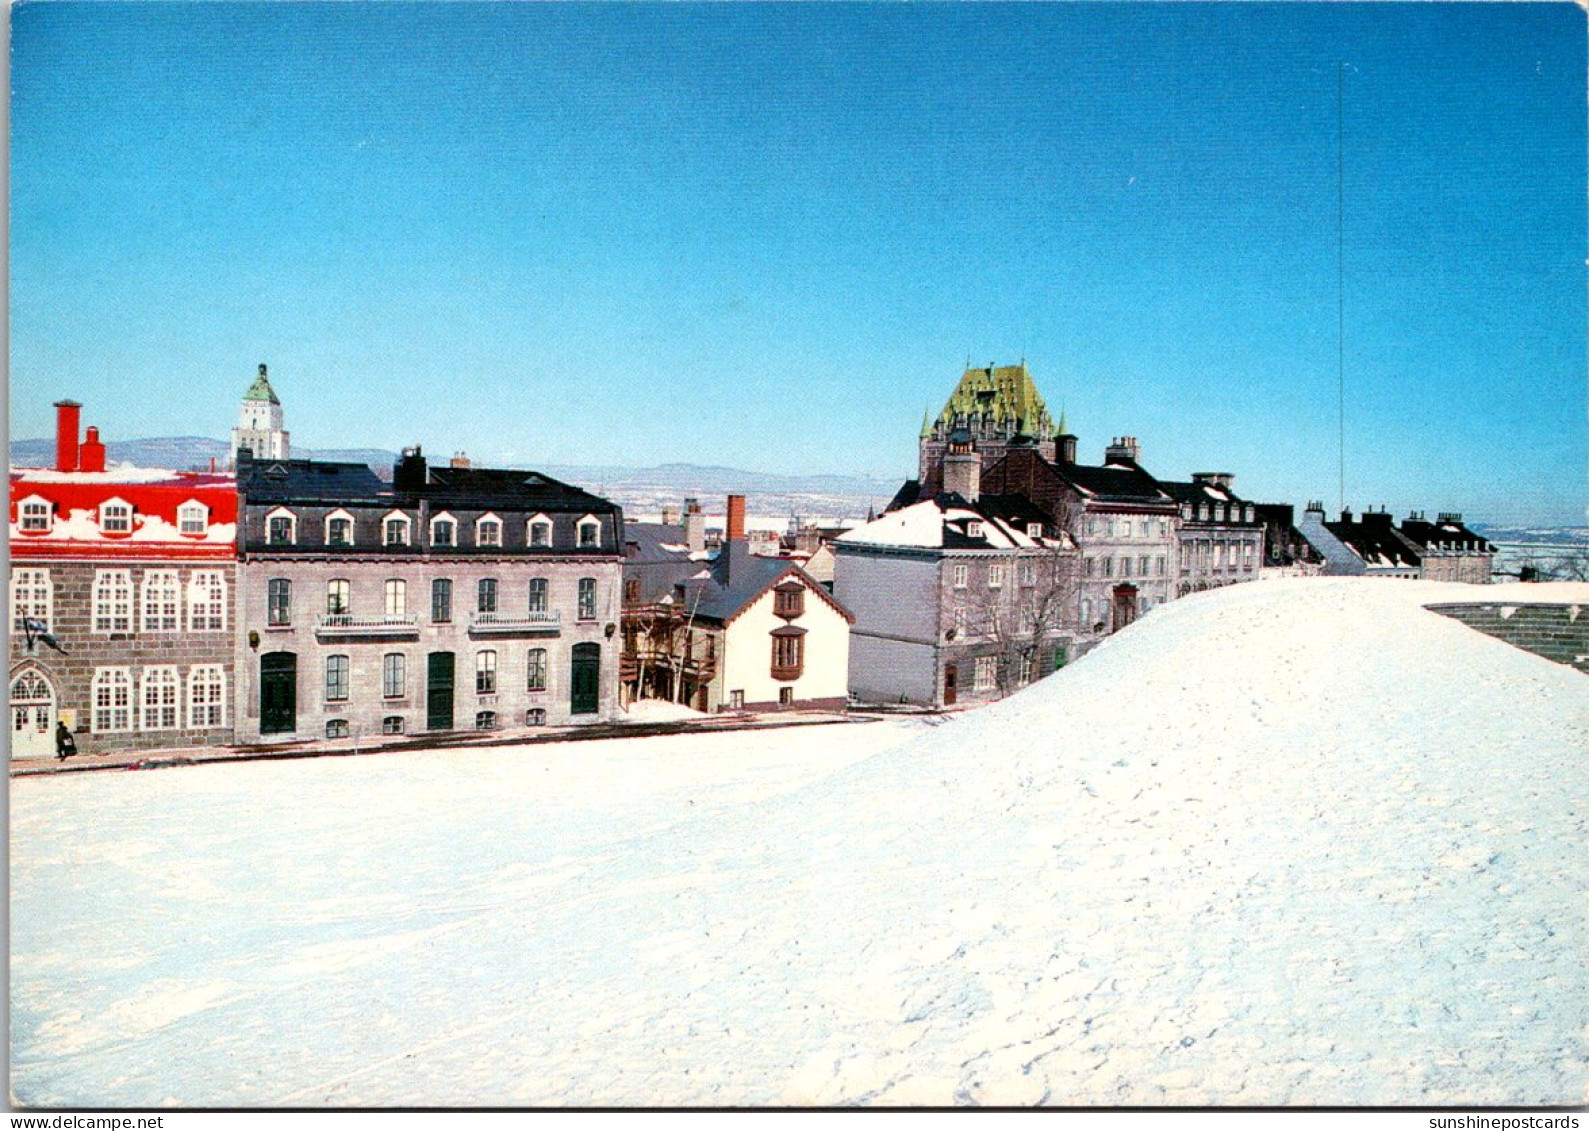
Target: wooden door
(585, 682)
(438, 691)
(278, 693)
(32, 717)
(951, 684)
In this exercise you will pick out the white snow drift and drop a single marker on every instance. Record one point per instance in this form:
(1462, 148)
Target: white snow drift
(1287, 843)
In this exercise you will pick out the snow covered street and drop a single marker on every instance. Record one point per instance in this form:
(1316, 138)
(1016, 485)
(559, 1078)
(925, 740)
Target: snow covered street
(1295, 842)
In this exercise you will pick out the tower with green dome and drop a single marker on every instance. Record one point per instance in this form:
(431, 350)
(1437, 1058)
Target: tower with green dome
(259, 423)
(995, 406)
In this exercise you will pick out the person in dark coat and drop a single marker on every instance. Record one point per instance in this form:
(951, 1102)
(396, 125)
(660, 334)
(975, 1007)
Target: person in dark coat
(65, 744)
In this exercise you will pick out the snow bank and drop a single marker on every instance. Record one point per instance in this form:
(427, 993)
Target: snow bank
(660, 711)
(1296, 842)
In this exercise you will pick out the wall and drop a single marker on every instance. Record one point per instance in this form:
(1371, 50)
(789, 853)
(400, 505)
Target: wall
(895, 598)
(1559, 633)
(747, 663)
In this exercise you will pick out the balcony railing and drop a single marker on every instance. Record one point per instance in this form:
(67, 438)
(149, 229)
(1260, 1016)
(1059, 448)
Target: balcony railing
(488, 623)
(346, 624)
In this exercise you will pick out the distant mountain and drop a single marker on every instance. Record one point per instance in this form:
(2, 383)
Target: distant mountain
(186, 453)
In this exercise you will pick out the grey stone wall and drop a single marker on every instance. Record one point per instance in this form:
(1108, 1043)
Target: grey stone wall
(71, 674)
(1559, 633)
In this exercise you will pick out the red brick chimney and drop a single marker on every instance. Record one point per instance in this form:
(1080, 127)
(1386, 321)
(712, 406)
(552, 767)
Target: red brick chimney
(91, 456)
(66, 421)
(736, 518)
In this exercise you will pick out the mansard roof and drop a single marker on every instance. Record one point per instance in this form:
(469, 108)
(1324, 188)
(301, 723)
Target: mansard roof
(316, 481)
(1005, 391)
(1374, 539)
(1120, 481)
(1448, 533)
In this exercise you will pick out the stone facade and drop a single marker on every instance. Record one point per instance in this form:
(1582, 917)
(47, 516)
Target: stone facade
(1559, 633)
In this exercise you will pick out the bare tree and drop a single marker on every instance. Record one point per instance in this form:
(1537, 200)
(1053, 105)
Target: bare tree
(1031, 611)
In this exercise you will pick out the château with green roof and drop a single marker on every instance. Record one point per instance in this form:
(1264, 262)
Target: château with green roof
(992, 406)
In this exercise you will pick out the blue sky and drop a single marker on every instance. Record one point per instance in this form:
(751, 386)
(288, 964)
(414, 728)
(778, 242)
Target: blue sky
(769, 236)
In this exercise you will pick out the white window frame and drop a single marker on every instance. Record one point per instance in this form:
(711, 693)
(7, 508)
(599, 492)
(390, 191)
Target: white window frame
(407, 526)
(973, 529)
(583, 525)
(160, 601)
(484, 522)
(389, 670)
(535, 663)
(115, 716)
(985, 673)
(206, 697)
(485, 671)
(32, 504)
(32, 595)
(995, 575)
(197, 513)
(345, 592)
(160, 698)
(117, 509)
(961, 575)
(112, 601)
(436, 520)
(340, 515)
(292, 525)
(398, 587)
(529, 531)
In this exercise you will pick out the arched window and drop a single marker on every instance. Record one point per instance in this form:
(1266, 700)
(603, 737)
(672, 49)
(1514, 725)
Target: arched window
(540, 531)
(485, 720)
(193, 519)
(393, 724)
(488, 530)
(35, 515)
(394, 529)
(589, 532)
(443, 530)
(339, 528)
(115, 516)
(281, 527)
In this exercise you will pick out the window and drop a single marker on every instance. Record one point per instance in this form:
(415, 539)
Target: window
(1158, 564)
(973, 530)
(394, 679)
(485, 673)
(537, 594)
(962, 618)
(1092, 526)
(1249, 512)
(790, 602)
(985, 674)
(113, 600)
(160, 698)
(536, 666)
(395, 530)
(207, 696)
(1028, 573)
(995, 576)
(336, 728)
(785, 696)
(960, 576)
(1108, 567)
(540, 531)
(485, 720)
(589, 533)
(337, 597)
(396, 598)
(207, 601)
(336, 678)
(34, 515)
(339, 529)
(115, 517)
(162, 601)
(1142, 566)
(1219, 513)
(1023, 670)
(1086, 567)
(487, 597)
(193, 519)
(392, 724)
(441, 600)
(1034, 529)
(587, 598)
(488, 531)
(535, 717)
(112, 691)
(443, 531)
(631, 590)
(1086, 612)
(278, 602)
(281, 527)
(736, 700)
(788, 653)
(1186, 510)
(1202, 512)
(32, 598)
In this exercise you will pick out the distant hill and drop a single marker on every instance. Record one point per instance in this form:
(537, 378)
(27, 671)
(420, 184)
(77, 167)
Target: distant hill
(185, 453)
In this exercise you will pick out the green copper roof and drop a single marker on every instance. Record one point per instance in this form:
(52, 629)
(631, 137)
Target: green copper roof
(1006, 391)
(260, 390)
(926, 423)
(1062, 430)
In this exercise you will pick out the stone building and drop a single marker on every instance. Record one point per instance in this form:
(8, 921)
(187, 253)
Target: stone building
(451, 598)
(260, 427)
(1449, 550)
(122, 588)
(1369, 546)
(726, 629)
(1220, 534)
(1286, 553)
(956, 600)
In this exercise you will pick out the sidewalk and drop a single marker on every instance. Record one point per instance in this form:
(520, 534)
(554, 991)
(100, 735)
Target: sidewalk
(524, 736)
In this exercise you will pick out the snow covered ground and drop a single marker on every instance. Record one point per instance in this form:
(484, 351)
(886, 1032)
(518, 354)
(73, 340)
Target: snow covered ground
(1296, 842)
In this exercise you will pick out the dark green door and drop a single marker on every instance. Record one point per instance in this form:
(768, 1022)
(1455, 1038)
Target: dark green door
(438, 691)
(278, 693)
(585, 693)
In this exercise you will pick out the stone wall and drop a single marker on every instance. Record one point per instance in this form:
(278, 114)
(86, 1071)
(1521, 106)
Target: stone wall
(1557, 632)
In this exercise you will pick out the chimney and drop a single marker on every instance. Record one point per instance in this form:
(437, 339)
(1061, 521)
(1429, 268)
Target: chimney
(1223, 479)
(1453, 517)
(1346, 515)
(694, 526)
(1124, 448)
(66, 421)
(408, 474)
(91, 456)
(1065, 449)
(459, 460)
(670, 514)
(962, 470)
(736, 518)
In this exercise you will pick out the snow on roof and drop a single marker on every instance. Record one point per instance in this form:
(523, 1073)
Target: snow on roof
(920, 524)
(116, 473)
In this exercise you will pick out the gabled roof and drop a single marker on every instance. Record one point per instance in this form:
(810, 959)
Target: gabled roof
(1376, 541)
(736, 579)
(949, 522)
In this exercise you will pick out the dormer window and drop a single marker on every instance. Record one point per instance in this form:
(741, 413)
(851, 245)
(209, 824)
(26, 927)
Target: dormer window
(35, 515)
(589, 532)
(115, 517)
(394, 529)
(193, 519)
(540, 531)
(1202, 512)
(281, 527)
(1186, 510)
(1034, 529)
(488, 530)
(339, 528)
(973, 529)
(443, 530)
(1249, 512)
(1219, 513)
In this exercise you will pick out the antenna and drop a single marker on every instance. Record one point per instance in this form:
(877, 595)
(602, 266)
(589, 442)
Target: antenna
(1340, 267)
